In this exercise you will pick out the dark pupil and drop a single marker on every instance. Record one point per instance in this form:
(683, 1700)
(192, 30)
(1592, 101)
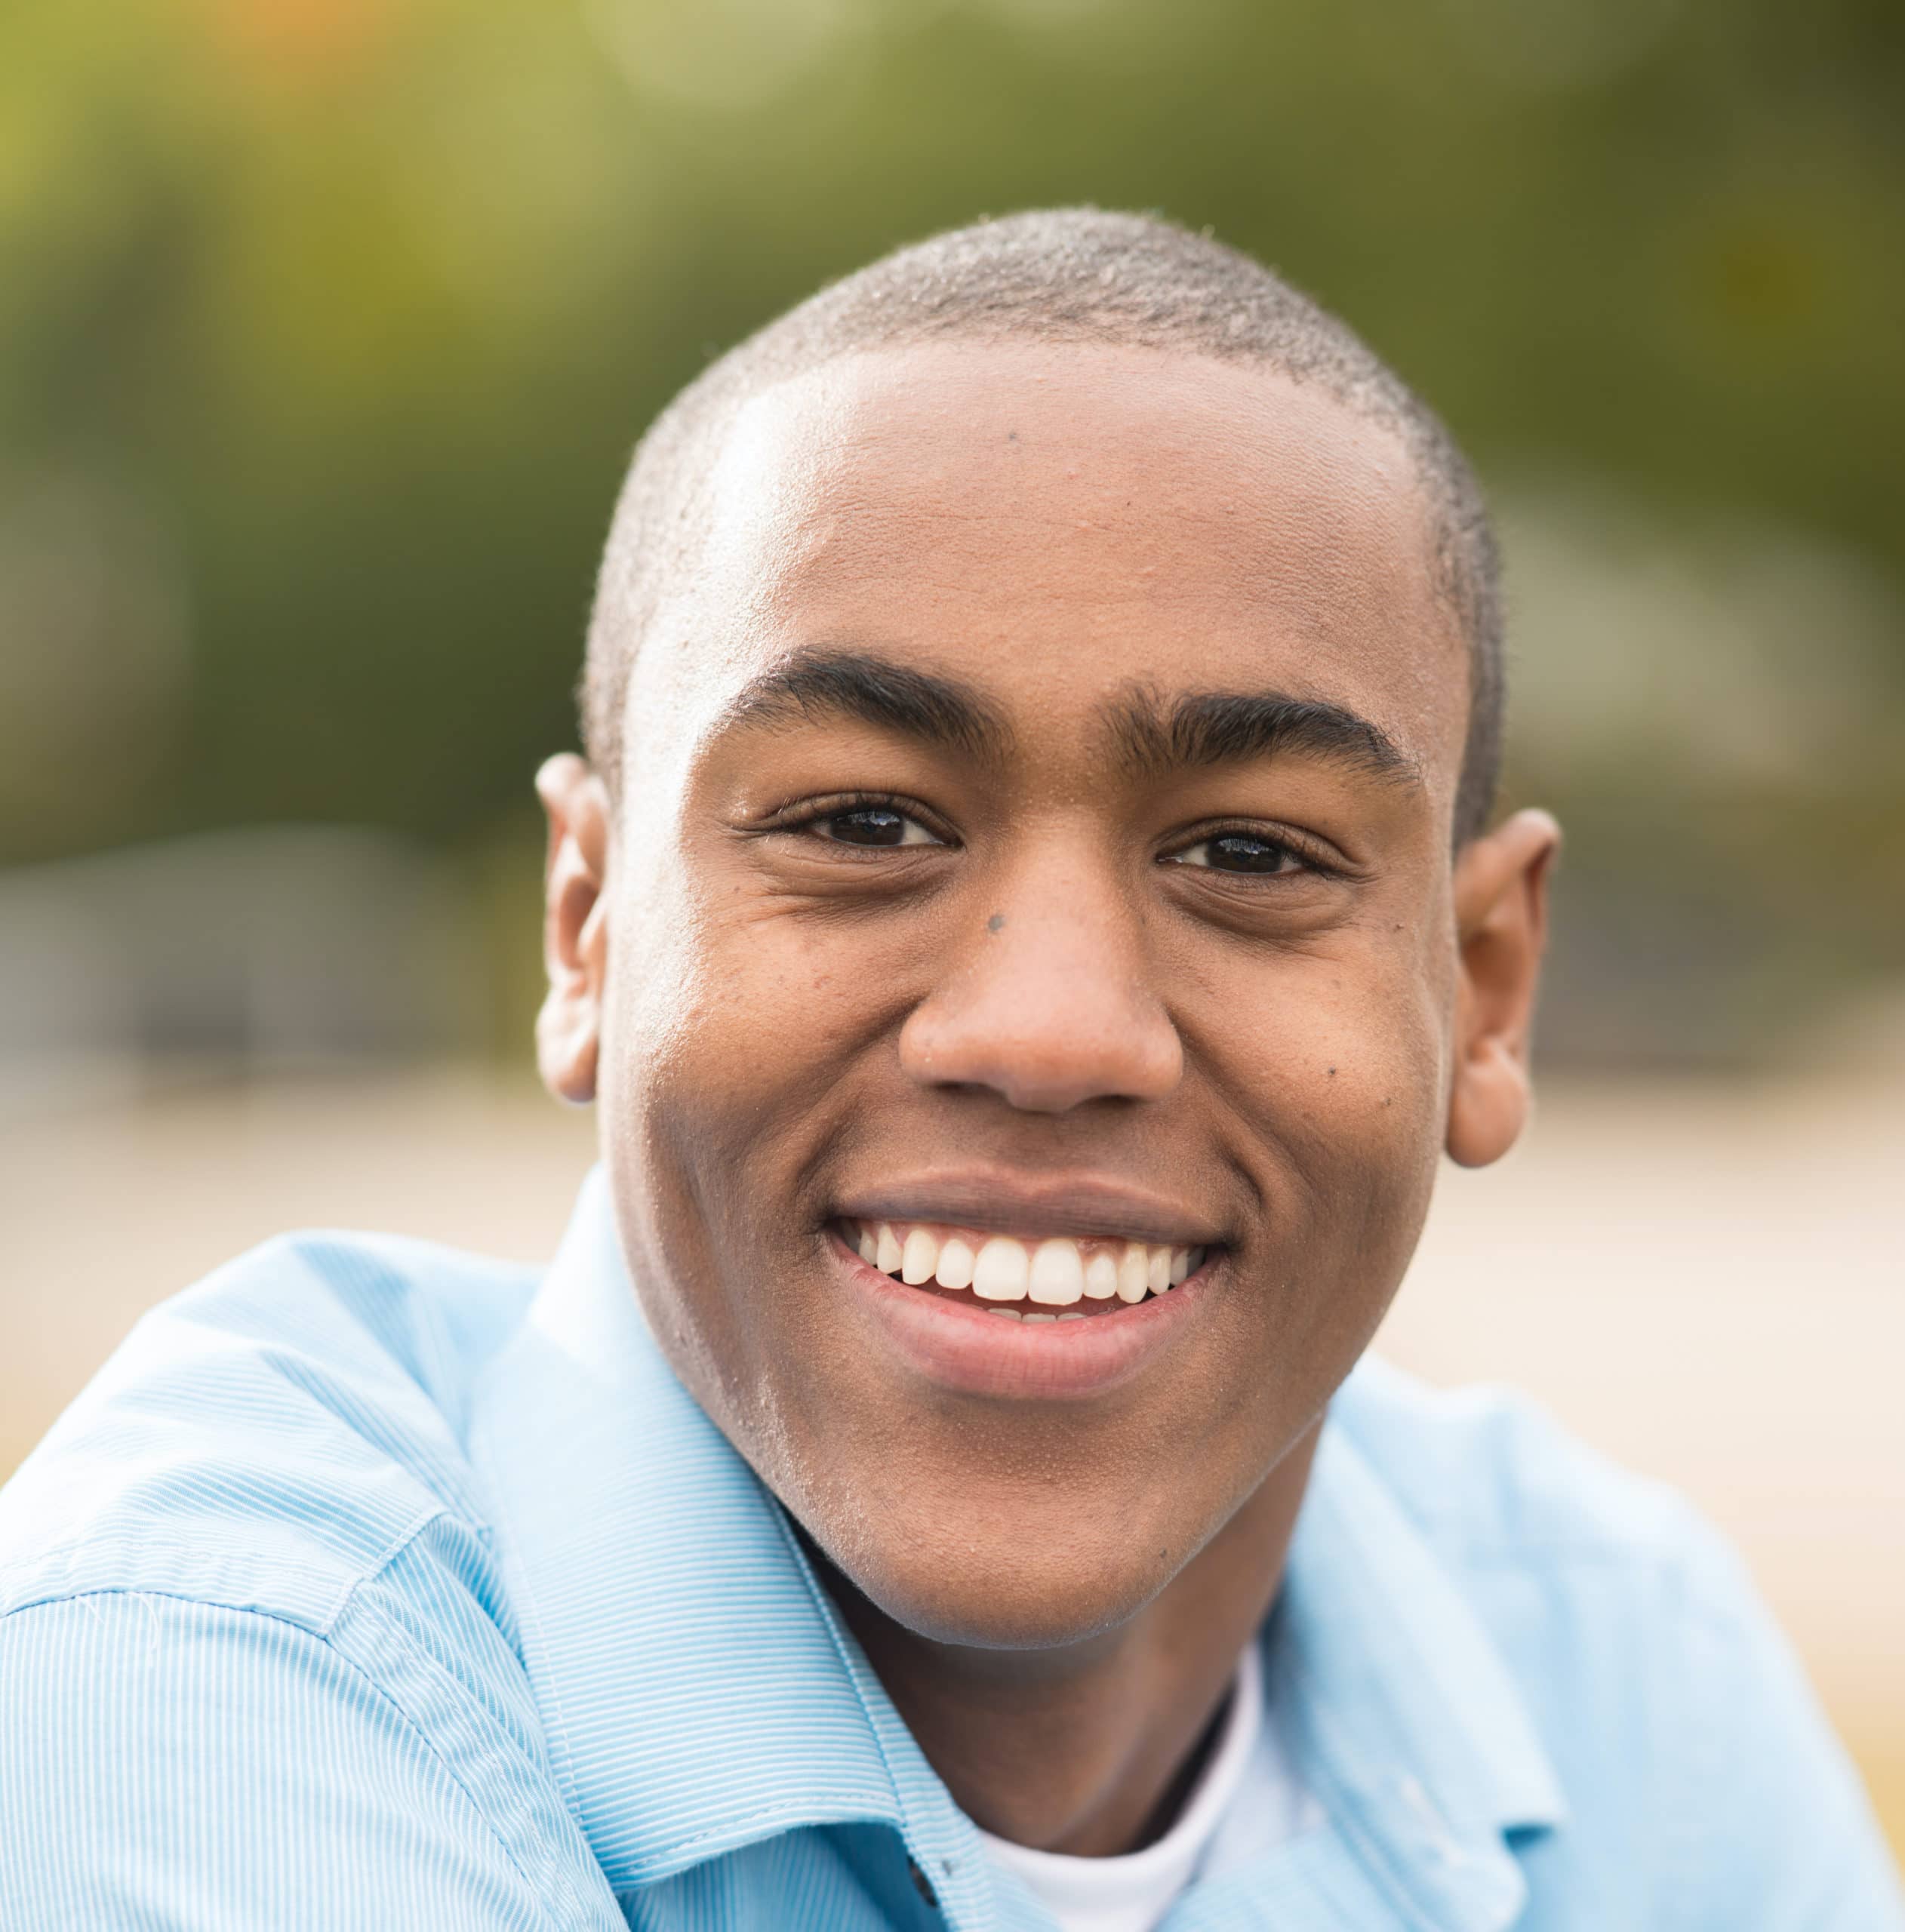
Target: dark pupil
(1238, 852)
(869, 826)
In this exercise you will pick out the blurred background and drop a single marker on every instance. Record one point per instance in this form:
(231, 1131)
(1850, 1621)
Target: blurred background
(327, 326)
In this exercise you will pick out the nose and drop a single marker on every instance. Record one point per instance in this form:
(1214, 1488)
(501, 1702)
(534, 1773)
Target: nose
(1049, 1003)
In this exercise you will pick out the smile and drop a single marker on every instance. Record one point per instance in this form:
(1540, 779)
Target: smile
(1081, 1277)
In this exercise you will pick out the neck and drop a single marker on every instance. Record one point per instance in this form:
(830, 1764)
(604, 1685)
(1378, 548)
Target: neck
(1086, 1749)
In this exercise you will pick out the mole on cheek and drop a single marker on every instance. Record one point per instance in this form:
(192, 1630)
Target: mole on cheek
(996, 923)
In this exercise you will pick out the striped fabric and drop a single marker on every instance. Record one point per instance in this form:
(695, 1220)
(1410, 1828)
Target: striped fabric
(371, 1586)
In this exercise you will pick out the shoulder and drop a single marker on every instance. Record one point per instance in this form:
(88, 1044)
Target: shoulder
(270, 1437)
(264, 1503)
(1489, 1478)
(1694, 1758)
(1580, 1568)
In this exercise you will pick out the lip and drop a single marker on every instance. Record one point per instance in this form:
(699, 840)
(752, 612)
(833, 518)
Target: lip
(1007, 1201)
(969, 1352)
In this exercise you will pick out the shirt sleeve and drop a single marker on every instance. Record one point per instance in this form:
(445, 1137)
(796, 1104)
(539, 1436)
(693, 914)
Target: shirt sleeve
(166, 1764)
(1779, 1835)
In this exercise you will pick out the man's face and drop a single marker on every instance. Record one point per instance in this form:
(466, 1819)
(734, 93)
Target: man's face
(1035, 843)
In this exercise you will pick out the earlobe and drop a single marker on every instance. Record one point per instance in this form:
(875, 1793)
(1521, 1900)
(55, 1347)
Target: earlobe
(1501, 928)
(568, 1028)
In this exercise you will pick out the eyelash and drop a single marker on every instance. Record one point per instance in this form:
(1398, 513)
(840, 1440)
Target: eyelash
(804, 817)
(1302, 850)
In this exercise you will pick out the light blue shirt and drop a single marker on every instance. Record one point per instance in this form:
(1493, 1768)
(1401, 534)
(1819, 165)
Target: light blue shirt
(370, 1586)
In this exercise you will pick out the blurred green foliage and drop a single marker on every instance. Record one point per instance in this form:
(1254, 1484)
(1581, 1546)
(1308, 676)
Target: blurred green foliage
(326, 327)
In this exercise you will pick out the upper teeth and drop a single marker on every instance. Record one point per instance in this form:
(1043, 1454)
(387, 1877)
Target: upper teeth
(999, 1269)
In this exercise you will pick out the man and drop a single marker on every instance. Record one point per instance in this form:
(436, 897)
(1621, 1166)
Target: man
(1030, 923)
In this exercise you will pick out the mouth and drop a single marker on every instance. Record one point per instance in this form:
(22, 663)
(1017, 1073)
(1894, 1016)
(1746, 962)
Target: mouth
(1055, 1277)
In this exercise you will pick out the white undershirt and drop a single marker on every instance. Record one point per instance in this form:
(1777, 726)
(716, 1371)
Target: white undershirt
(1247, 1799)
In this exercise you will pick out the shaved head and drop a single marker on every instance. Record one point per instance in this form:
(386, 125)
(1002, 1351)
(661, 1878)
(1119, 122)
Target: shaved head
(1066, 275)
(1048, 812)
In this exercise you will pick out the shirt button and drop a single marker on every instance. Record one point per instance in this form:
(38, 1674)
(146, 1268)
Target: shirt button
(921, 1884)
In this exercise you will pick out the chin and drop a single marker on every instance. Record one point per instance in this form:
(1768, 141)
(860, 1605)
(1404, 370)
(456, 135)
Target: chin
(992, 1593)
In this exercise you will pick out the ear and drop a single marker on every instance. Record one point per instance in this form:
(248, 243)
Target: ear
(1501, 926)
(575, 934)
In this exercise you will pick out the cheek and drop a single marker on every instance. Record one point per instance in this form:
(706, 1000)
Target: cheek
(1341, 1056)
(733, 1028)
(1339, 1069)
(682, 996)
(692, 1055)
(731, 1038)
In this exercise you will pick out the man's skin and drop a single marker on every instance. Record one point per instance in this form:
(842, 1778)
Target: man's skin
(1057, 1008)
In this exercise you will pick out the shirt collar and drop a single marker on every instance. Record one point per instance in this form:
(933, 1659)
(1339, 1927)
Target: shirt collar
(1407, 1724)
(699, 1692)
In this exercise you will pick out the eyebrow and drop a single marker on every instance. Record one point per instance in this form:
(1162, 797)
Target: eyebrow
(1148, 736)
(918, 704)
(1226, 727)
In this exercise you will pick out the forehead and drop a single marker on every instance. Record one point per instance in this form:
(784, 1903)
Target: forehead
(1054, 521)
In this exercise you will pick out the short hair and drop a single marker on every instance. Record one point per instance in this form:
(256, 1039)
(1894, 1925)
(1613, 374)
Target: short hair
(1082, 275)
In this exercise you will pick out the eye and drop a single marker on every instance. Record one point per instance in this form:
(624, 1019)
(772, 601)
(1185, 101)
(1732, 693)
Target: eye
(1241, 852)
(872, 825)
